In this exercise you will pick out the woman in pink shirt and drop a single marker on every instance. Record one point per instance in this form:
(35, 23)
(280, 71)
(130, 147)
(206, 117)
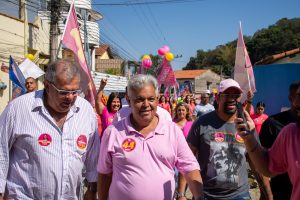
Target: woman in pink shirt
(164, 104)
(183, 117)
(188, 100)
(107, 113)
(259, 116)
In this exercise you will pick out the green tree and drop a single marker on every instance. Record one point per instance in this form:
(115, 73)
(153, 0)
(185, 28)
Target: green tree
(284, 35)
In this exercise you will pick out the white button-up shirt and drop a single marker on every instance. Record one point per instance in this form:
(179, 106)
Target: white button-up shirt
(40, 161)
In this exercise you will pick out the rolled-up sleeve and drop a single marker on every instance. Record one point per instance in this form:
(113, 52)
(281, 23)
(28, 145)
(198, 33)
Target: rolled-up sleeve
(277, 154)
(92, 153)
(186, 161)
(6, 139)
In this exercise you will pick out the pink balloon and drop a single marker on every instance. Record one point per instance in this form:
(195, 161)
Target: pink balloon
(147, 63)
(167, 49)
(161, 51)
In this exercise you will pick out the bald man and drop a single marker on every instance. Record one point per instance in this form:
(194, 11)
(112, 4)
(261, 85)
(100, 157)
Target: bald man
(30, 84)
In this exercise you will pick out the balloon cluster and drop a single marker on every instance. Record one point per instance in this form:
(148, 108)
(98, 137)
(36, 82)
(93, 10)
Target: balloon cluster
(165, 51)
(29, 56)
(146, 61)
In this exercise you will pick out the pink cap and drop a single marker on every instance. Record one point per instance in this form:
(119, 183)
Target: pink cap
(228, 83)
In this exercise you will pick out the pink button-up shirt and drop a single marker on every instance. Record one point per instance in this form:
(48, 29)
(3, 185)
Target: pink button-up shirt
(143, 167)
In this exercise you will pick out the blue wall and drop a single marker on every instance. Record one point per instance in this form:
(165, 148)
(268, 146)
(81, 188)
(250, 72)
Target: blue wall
(272, 85)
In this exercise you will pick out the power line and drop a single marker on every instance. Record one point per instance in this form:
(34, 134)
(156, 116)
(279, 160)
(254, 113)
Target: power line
(122, 35)
(119, 47)
(17, 4)
(130, 3)
(148, 24)
(157, 25)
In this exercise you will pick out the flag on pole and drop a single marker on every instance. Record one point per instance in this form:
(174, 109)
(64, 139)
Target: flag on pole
(29, 69)
(166, 74)
(17, 78)
(72, 40)
(243, 71)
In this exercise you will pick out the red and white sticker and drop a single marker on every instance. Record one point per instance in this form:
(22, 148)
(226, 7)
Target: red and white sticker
(238, 138)
(128, 144)
(81, 142)
(219, 137)
(45, 139)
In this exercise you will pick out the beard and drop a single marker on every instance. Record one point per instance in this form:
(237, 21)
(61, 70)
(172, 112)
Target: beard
(227, 110)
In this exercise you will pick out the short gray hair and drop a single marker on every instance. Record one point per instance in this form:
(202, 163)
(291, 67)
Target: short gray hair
(68, 69)
(139, 81)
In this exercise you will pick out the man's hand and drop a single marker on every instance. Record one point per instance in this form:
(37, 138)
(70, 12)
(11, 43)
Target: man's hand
(242, 128)
(249, 96)
(4, 68)
(102, 84)
(89, 195)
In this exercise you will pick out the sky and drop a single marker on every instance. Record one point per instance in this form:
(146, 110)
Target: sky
(136, 30)
(187, 27)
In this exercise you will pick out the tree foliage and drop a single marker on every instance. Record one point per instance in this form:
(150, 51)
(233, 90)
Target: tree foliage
(284, 35)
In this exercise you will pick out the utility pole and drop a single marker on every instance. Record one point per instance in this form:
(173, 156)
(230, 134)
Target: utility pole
(23, 16)
(55, 7)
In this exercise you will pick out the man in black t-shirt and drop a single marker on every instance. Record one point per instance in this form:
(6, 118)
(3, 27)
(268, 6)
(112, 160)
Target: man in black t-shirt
(280, 185)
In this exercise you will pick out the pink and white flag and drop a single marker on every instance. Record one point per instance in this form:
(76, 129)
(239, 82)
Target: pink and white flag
(166, 75)
(72, 40)
(243, 71)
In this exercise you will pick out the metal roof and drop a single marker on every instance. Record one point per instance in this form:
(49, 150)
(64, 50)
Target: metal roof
(114, 83)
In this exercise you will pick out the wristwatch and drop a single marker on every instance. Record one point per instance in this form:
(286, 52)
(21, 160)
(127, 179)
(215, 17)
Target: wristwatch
(201, 198)
(179, 194)
(91, 186)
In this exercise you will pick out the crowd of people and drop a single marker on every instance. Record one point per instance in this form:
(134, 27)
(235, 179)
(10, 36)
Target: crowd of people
(144, 145)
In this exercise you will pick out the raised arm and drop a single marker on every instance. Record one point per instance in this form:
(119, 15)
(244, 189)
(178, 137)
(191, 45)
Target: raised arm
(258, 155)
(98, 104)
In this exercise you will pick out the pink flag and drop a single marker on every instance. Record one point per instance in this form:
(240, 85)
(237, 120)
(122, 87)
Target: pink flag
(166, 75)
(243, 71)
(72, 40)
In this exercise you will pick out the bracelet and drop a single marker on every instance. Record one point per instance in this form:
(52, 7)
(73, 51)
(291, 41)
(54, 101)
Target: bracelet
(179, 194)
(255, 147)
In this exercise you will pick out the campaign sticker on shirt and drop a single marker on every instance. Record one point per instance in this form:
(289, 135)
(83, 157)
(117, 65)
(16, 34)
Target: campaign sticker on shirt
(219, 137)
(128, 144)
(45, 139)
(81, 142)
(239, 138)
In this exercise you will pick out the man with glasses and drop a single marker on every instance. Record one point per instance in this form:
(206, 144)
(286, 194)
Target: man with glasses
(219, 149)
(204, 106)
(47, 137)
(30, 84)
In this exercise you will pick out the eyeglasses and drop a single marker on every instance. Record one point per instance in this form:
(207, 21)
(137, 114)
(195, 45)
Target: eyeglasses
(66, 92)
(233, 96)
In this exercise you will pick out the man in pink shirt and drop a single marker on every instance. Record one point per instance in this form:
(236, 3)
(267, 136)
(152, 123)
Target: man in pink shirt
(139, 153)
(283, 156)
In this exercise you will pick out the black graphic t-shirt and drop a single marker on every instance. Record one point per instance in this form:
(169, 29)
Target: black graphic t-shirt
(221, 157)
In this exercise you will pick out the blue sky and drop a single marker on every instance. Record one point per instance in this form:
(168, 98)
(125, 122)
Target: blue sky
(184, 27)
(188, 27)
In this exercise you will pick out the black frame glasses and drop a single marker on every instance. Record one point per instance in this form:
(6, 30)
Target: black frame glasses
(65, 92)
